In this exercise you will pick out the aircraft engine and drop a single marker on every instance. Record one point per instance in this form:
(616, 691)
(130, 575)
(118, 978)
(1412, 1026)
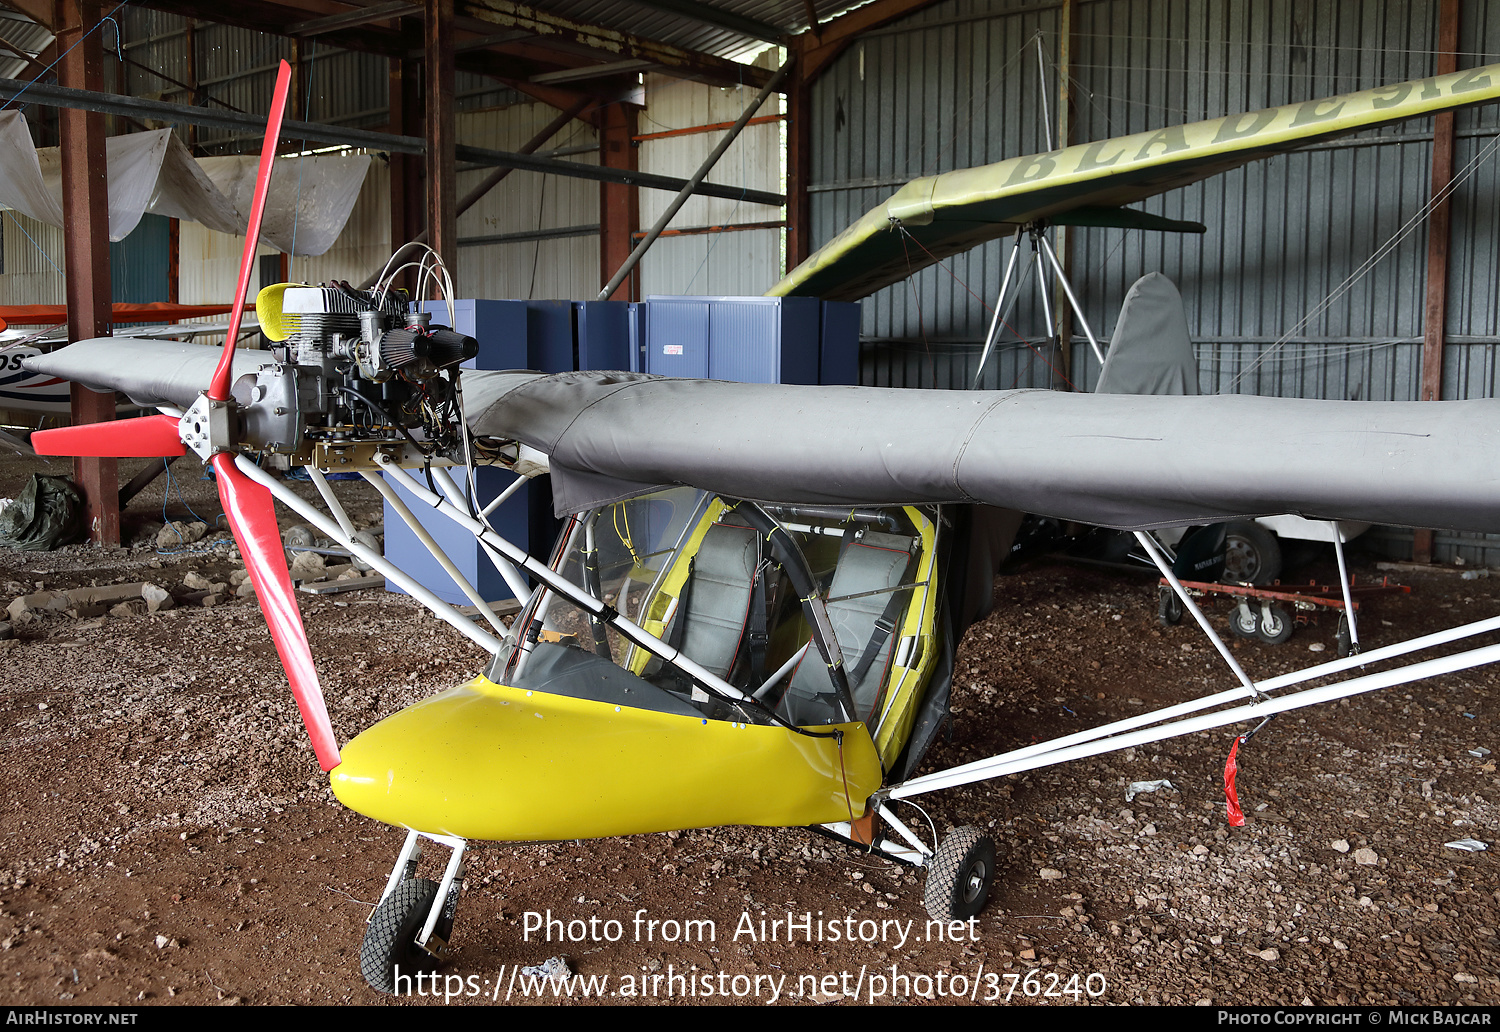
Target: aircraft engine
(352, 367)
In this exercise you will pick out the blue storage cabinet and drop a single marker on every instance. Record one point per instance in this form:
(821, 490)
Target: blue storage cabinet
(838, 343)
(608, 335)
(677, 337)
(512, 520)
(748, 339)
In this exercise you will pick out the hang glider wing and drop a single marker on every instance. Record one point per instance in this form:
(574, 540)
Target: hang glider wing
(1088, 183)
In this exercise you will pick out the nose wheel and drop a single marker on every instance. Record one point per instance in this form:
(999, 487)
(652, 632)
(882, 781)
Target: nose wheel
(408, 931)
(390, 951)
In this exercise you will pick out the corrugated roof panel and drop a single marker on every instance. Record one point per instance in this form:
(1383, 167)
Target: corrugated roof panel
(26, 35)
(701, 34)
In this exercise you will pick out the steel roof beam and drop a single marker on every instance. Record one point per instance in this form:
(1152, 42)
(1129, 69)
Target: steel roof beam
(351, 19)
(593, 71)
(317, 132)
(553, 29)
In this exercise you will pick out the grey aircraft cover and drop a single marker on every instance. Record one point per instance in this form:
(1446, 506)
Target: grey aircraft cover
(148, 372)
(1151, 351)
(1114, 460)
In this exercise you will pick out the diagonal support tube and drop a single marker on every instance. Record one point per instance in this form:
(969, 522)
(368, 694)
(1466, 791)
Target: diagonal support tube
(692, 184)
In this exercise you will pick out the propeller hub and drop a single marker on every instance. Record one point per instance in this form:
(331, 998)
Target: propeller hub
(207, 427)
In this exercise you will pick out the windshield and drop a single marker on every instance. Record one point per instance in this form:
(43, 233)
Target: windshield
(781, 615)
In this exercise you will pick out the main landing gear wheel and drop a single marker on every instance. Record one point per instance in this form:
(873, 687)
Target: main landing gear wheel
(959, 875)
(391, 936)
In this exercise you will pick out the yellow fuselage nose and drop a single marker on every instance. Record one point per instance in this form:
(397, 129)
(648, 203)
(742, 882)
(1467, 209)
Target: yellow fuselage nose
(487, 761)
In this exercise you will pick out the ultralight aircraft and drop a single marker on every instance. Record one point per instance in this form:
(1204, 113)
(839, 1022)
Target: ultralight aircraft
(751, 613)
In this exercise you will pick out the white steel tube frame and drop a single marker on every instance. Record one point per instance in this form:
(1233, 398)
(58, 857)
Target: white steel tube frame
(442, 610)
(1338, 550)
(399, 508)
(998, 766)
(561, 585)
(1000, 312)
(1261, 689)
(513, 580)
(1150, 545)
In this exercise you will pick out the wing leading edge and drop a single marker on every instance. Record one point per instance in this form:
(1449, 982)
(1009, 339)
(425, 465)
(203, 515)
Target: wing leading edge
(954, 211)
(1117, 460)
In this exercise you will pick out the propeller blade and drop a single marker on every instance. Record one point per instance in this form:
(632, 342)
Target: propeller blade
(146, 437)
(218, 388)
(252, 517)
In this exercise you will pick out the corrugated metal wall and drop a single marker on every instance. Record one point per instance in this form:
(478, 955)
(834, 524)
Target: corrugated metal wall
(33, 262)
(1277, 297)
(528, 204)
(140, 265)
(733, 262)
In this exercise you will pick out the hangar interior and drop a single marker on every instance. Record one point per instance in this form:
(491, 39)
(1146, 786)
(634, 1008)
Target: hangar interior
(1328, 273)
(562, 153)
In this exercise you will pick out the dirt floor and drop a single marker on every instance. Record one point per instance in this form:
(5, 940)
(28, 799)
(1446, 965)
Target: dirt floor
(168, 838)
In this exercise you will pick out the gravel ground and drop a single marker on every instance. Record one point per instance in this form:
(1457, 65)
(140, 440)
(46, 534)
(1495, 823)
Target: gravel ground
(167, 836)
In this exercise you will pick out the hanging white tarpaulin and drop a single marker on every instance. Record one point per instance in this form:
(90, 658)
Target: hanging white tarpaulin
(184, 191)
(21, 184)
(310, 199)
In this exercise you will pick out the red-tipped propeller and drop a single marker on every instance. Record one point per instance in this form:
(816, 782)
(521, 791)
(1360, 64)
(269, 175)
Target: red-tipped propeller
(144, 438)
(252, 515)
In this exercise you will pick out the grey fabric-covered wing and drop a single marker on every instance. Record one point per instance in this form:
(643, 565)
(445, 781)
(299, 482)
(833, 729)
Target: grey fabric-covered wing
(1120, 460)
(149, 372)
(1125, 461)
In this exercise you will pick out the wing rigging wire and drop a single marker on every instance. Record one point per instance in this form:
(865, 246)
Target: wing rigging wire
(1380, 253)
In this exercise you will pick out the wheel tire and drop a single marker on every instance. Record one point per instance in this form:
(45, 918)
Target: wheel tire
(1244, 622)
(1276, 627)
(299, 535)
(1168, 606)
(1342, 639)
(1251, 554)
(369, 539)
(959, 875)
(391, 935)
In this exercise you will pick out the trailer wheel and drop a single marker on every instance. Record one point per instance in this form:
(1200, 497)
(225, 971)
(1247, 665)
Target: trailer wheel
(959, 875)
(1244, 622)
(1168, 606)
(390, 945)
(1342, 638)
(1252, 554)
(1275, 625)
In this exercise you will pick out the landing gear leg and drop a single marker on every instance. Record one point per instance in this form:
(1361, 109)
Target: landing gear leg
(409, 929)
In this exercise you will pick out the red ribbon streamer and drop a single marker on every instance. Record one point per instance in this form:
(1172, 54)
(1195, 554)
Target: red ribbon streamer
(1231, 769)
